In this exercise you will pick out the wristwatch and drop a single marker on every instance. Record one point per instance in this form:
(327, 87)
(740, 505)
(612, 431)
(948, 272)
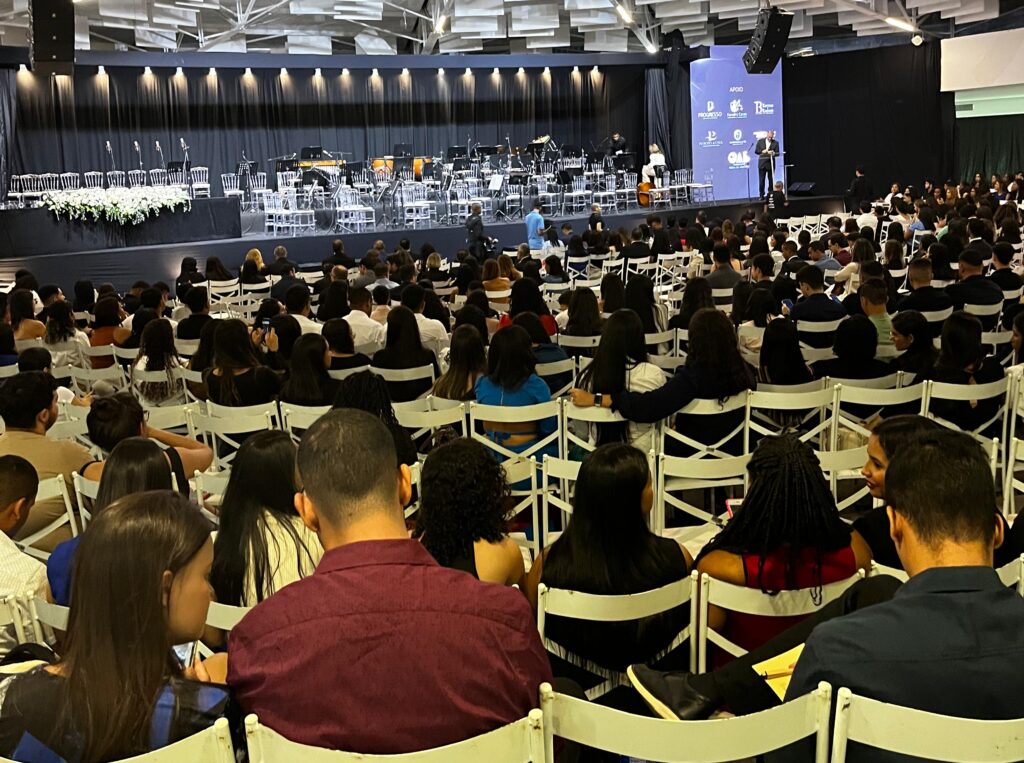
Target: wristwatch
(598, 399)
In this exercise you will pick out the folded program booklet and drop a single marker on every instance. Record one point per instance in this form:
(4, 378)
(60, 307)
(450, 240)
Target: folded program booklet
(777, 671)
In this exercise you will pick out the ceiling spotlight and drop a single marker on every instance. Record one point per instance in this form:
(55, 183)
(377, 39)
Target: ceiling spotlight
(317, 72)
(22, 68)
(375, 73)
(344, 72)
(624, 13)
(469, 71)
(405, 72)
(101, 70)
(213, 72)
(284, 71)
(248, 71)
(495, 71)
(521, 70)
(575, 70)
(440, 72)
(179, 72)
(147, 71)
(547, 70)
(439, 26)
(917, 40)
(904, 24)
(651, 47)
(595, 70)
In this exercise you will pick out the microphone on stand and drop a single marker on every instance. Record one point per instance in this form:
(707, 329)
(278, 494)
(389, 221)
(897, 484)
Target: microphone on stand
(110, 152)
(182, 142)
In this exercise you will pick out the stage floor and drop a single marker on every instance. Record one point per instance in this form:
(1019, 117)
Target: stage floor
(122, 266)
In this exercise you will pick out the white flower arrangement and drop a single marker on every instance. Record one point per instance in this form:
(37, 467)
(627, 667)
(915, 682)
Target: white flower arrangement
(126, 206)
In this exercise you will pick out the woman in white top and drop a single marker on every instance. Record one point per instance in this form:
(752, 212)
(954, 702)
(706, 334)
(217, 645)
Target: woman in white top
(62, 332)
(620, 364)
(157, 353)
(862, 251)
(262, 544)
(657, 160)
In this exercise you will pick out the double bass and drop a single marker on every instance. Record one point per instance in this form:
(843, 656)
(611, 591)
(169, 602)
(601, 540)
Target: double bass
(643, 194)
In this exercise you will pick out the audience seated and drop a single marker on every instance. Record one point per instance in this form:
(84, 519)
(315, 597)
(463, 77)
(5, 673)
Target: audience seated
(118, 690)
(236, 377)
(974, 288)
(106, 328)
(467, 362)
(526, 298)
(780, 360)
(262, 544)
(20, 305)
(61, 332)
(462, 516)
(28, 407)
(197, 299)
(433, 333)
(308, 382)
(912, 336)
(511, 380)
(608, 549)
(404, 349)
(135, 465)
(368, 392)
(337, 332)
(963, 360)
(584, 317)
(544, 350)
(855, 345)
(379, 587)
(157, 353)
(815, 305)
(696, 296)
(187, 275)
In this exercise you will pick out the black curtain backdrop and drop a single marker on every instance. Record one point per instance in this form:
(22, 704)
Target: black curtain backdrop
(657, 119)
(64, 122)
(8, 100)
(880, 108)
(677, 91)
(989, 145)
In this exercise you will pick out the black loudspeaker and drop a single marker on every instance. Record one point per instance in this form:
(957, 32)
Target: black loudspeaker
(801, 189)
(52, 36)
(770, 37)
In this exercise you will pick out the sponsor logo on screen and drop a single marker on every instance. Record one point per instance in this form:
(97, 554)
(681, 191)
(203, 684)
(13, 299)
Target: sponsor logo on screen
(711, 140)
(737, 138)
(763, 108)
(736, 109)
(738, 160)
(710, 112)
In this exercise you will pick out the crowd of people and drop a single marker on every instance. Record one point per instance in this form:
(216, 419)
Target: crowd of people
(363, 623)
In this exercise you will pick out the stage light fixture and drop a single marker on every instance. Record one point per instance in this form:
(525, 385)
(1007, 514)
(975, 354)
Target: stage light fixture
(439, 26)
(651, 47)
(213, 72)
(904, 24)
(469, 72)
(101, 69)
(22, 68)
(624, 13)
(405, 72)
(147, 71)
(248, 71)
(179, 72)
(595, 70)
(440, 72)
(344, 72)
(284, 71)
(374, 73)
(547, 70)
(521, 70)
(917, 40)
(575, 70)
(317, 72)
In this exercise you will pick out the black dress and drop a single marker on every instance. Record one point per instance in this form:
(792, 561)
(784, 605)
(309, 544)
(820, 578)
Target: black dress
(253, 387)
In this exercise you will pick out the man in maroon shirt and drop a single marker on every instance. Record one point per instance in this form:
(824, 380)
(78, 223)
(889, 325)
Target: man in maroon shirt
(381, 650)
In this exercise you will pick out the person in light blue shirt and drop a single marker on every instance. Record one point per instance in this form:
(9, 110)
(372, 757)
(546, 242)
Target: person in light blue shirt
(534, 226)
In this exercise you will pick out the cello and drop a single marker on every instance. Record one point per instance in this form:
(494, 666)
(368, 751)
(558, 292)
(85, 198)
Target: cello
(643, 194)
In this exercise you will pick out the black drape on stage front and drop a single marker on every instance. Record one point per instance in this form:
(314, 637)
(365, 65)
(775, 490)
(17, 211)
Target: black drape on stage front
(880, 108)
(658, 129)
(64, 122)
(989, 145)
(8, 97)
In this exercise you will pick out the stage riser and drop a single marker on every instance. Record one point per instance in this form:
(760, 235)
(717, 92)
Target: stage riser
(154, 263)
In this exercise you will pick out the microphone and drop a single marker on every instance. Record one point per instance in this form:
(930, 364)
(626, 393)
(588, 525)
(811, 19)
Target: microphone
(108, 147)
(158, 146)
(137, 149)
(182, 141)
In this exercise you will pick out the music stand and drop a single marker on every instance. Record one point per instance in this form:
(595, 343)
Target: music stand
(402, 150)
(455, 152)
(401, 163)
(571, 151)
(313, 153)
(565, 177)
(460, 165)
(624, 162)
(314, 177)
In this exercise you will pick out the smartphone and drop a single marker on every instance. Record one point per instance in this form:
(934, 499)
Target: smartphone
(265, 324)
(186, 653)
(788, 304)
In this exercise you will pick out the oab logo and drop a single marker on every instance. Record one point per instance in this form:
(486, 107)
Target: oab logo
(710, 112)
(739, 158)
(763, 108)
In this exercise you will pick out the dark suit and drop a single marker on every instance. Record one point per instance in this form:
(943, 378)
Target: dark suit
(662, 244)
(766, 164)
(927, 299)
(279, 289)
(976, 290)
(278, 267)
(980, 245)
(475, 236)
(637, 250)
(859, 190)
(614, 146)
(817, 308)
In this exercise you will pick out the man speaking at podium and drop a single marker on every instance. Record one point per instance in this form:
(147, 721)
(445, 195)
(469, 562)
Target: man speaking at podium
(766, 149)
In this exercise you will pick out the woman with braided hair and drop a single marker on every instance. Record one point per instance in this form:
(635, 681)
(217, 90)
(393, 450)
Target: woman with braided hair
(787, 535)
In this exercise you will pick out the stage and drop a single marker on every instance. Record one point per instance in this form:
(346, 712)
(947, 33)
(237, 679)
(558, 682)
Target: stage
(119, 262)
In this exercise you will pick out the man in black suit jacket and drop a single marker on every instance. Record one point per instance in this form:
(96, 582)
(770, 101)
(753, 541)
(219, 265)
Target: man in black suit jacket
(973, 288)
(766, 149)
(288, 280)
(978, 230)
(637, 248)
(661, 243)
(859, 190)
(816, 306)
(280, 264)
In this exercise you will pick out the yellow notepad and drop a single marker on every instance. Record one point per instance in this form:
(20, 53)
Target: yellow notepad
(778, 670)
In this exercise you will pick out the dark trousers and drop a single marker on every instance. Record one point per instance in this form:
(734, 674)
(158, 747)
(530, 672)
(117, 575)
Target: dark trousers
(765, 173)
(739, 687)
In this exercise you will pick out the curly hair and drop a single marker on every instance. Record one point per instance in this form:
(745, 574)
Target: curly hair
(463, 500)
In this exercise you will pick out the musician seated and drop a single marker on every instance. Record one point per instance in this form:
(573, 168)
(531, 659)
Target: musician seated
(650, 172)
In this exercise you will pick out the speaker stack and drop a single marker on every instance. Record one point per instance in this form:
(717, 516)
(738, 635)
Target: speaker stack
(52, 36)
(769, 41)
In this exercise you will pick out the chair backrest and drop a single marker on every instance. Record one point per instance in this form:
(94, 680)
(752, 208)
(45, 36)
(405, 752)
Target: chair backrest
(427, 415)
(968, 393)
(296, 418)
(675, 475)
(920, 734)
(51, 488)
(519, 742)
(479, 413)
(223, 434)
(752, 601)
(715, 741)
(702, 407)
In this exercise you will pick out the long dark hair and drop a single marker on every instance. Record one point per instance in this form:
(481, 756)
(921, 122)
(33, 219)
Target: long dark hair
(367, 391)
(696, 296)
(510, 359)
(156, 346)
(466, 361)
(403, 335)
(584, 314)
(526, 298)
(621, 349)
(607, 547)
(134, 465)
(715, 356)
(961, 348)
(20, 303)
(922, 350)
(781, 361)
(308, 381)
(333, 302)
(202, 358)
(60, 323)
(463, 492)
(116, 654)
(263, 481)
(232, 350)
(640, 299)
(613, 293)
(788, 506)
(85, 296)
(471, 315)
(215, 270)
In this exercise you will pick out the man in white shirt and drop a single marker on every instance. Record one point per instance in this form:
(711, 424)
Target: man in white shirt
(367, 334)
(433, 334)
(866, 218)
(20, 574)
(296, 302)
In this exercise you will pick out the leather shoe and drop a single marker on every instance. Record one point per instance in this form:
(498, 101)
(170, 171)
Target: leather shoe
(669, 694)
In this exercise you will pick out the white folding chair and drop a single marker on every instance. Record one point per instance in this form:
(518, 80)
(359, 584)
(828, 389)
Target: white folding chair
(578, 424)
(84, 489)
(674, 475)
(222, 434)
(578, 342)
(967, 393)
(51, 488)
(45, 616)
(752, 601)
(577, 605)
(916, 733)
(818, 328)
(556, 368)
(851, 392)
(426, 415)
(1012, 574)
(843, 465)
(817, 424)
(519, 742)
(271, 410)
(407, 375)
(716, 741)
(704, 408)
(296, 419)
(210, 488)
